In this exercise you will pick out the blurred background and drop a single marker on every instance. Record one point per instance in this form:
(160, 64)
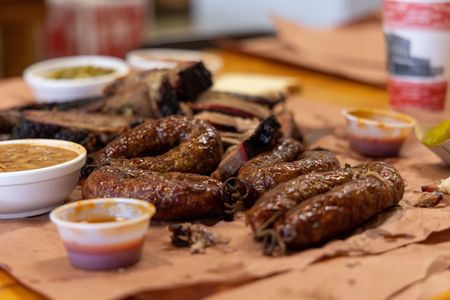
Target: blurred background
(33, 30)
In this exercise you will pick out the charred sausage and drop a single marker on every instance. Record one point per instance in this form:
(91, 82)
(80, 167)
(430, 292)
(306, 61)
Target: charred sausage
(328, 215)
(176, 196)
(282, 164)
(272, 204)
(172, 144)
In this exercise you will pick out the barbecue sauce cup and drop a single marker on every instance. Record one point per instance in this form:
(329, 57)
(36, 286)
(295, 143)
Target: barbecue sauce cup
(103, 234)
(377, 132)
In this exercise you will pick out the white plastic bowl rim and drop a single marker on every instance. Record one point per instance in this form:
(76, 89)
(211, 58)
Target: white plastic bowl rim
(46, 173)
(31, 74)
(403, 123)
(147, 214)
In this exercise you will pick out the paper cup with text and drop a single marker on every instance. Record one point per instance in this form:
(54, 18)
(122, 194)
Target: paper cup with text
(417, 36)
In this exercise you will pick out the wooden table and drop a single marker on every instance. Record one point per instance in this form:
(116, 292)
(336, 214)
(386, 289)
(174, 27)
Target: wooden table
(20, 21)
(315, 87)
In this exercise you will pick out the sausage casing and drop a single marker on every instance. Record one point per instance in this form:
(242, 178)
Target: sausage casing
(172, 144)
(325, 216)
(176, 196)
(271, 168)
(288, 194)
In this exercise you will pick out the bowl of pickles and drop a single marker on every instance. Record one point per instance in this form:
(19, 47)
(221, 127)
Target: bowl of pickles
(73, 78)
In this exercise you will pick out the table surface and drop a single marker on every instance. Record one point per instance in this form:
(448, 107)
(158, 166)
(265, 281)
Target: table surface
(314, 87)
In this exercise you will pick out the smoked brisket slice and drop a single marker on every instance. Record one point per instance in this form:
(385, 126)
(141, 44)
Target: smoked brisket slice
(157, 93)
(150, 96)
(231, 106)
(87, 104)
(264, 138)
(228, 123)
(262, 100)
(89, 129)
(288, 126)
(8, 119)
(11, 117)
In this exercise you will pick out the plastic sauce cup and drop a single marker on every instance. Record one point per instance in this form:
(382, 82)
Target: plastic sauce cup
(101, 234)
(377, 132)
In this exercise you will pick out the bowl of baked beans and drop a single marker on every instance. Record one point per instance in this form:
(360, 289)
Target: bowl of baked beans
(36, 175)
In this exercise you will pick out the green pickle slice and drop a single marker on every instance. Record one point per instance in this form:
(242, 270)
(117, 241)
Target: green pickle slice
(438, 134)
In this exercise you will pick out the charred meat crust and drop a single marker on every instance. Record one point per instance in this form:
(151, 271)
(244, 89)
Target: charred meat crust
(282, 164)
(168, 103)
(193, 81)
(265, 137)
(176, 196)
(87, 104)
(326, 216)
(90, 130)
(171, 144)
(29, 129)
(9, 119)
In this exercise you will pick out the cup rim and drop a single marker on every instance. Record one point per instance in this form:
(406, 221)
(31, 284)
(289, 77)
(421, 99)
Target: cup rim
(120, 69)
(150, 210)
(406, 120)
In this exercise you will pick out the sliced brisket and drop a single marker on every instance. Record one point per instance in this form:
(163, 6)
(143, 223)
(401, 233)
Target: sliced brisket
(89, 129)
(267, 101)
(264, 138)
(157, 93)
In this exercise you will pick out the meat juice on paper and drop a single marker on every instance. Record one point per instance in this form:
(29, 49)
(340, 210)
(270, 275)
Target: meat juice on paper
(417, 36)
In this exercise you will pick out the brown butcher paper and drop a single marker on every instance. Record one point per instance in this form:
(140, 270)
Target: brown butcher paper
(404, 252)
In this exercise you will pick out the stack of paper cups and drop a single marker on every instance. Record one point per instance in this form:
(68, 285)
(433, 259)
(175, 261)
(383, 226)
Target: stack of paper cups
(418, 46)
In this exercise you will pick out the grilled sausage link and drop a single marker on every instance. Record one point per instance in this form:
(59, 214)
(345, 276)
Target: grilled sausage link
(272, 204)
(172, 144)
(282, 164)
(176, 196)
(328, 215)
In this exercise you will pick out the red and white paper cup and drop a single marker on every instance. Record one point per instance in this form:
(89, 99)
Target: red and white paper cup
(91, 27)
(417, 36)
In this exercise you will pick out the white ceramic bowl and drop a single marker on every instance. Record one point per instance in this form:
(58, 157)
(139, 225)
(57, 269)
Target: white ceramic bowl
(104, 233)
(33, 192)
(60, 90)
(147, 59)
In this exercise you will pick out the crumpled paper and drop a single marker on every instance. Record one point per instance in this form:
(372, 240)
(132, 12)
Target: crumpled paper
(384, 249)
(394, 275)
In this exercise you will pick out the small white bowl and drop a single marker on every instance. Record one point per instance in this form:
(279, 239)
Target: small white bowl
(60, 90)
(94, 237)
(34, 192)
(148, 59)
